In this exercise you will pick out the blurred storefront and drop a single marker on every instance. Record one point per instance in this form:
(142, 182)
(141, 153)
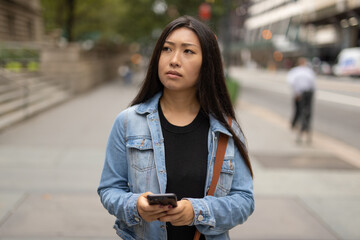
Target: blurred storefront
(276, 32)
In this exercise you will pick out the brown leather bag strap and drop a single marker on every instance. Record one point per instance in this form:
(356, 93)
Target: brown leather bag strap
(219, 159)
(220, 153)
(197, 235)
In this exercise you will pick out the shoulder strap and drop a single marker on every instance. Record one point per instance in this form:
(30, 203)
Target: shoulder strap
(219, 159)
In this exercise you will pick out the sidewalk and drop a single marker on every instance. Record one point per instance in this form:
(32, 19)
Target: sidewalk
(302, 192)
(50, 167)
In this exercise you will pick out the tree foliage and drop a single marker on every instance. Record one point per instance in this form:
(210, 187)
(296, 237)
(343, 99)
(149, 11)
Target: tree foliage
(119, 20)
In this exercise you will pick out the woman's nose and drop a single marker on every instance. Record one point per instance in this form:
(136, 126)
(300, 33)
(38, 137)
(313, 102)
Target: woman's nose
(175, 61)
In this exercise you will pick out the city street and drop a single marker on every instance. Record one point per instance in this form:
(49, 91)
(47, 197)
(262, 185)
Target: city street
(50, 164)
(337, 101)
(303, 191)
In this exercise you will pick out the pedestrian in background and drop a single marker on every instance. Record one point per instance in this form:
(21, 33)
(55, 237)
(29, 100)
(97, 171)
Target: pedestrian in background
(302, 82)
(126, 73)
(166, 143)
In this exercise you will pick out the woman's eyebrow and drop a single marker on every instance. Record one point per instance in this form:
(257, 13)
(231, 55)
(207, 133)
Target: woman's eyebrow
(183, 44)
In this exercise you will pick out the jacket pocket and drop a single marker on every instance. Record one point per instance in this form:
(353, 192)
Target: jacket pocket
(225, 180)
(140, 154)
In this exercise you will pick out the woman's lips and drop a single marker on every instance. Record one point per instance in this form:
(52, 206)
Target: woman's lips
(173, 74)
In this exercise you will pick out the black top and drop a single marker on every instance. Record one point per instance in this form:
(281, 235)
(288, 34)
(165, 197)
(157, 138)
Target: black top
(186, 153)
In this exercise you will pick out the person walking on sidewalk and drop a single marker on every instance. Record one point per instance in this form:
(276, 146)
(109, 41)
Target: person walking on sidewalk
(166, 143)
(302, 83)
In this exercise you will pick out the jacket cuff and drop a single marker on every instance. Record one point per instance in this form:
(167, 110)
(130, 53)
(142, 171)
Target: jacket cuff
(132, 216)
(202, 213)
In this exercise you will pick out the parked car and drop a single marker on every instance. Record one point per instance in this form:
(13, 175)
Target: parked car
(348, 63)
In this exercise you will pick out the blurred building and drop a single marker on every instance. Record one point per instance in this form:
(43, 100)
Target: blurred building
(277, 31)
(20, 21)
(236, 30)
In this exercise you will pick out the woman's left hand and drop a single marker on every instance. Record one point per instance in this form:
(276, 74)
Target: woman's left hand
(182, 215)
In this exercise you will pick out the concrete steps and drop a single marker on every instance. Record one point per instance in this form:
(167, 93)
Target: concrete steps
(24, 95)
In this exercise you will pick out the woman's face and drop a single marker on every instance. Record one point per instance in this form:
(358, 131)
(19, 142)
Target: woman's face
(180, 60)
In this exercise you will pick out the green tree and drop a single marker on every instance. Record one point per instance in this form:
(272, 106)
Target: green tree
(115, 20)
(80, 20)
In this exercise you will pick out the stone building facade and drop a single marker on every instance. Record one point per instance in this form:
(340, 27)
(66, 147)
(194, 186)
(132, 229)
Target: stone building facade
(20, 21)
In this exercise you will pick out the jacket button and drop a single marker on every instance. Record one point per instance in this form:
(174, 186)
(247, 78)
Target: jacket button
(200, 218)
(137, 219)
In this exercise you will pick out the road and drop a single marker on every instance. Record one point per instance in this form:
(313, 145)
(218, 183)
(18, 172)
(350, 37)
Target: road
(337, 102)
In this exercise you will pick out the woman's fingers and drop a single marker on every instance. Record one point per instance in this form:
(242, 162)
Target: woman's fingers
(150, 212)
(155, 209)
(150, 216)
(182, 215)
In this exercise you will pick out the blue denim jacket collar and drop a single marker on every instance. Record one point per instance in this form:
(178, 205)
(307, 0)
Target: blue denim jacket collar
(151, 106)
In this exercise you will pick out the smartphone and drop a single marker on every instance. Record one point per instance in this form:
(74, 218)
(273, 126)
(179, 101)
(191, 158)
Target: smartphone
(163, 199)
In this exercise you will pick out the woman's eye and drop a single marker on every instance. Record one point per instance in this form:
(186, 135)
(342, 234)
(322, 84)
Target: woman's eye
(166, 49)
(189, 51)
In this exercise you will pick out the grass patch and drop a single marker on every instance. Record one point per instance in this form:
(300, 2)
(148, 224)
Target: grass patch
(233, 88)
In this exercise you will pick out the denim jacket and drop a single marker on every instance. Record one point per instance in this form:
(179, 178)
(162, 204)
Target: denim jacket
(135, 163)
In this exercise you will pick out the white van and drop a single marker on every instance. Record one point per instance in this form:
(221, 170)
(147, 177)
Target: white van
(348, 63)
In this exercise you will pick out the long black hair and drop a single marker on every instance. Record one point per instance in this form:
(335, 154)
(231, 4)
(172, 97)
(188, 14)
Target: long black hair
(212, 92)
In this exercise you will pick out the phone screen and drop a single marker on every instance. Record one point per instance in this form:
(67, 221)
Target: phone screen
(163, 199)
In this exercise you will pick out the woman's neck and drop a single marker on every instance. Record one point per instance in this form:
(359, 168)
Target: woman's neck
(179, 108)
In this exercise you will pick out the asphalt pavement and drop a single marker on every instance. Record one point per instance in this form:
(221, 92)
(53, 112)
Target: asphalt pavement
(50, 167)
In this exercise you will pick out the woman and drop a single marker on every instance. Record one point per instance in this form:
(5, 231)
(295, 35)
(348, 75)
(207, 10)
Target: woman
(166, 143)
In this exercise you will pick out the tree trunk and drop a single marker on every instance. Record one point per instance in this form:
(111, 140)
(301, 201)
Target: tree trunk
(70, 19)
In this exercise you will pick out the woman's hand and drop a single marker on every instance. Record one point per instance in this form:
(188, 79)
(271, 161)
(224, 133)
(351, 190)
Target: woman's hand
(150, 212)
(182, 215)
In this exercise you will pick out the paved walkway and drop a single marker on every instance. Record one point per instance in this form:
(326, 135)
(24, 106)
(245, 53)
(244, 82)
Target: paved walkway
(50, 167)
